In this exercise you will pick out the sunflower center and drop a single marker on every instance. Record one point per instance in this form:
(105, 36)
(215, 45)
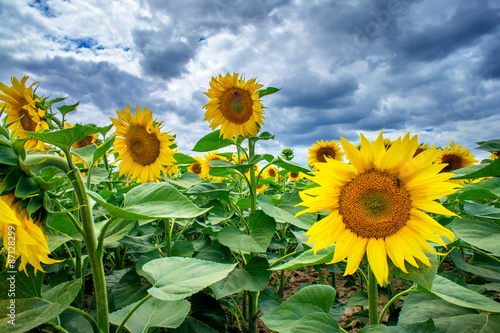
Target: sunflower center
(144, 147)
(325, 152)
(236, 105)
(26, 122)
(454, 163)
(375, 204)
(196, 167)
(272, 173)
(84, 142)
(294, 175)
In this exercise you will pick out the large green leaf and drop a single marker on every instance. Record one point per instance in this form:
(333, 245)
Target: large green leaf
(23, 285)
(317, 322)
(65, 138)
(291, 166)
(206, 316)
(32, 312)
(186, 180)
(485, 189)
(218, 190)
(262, 228)
(308, 300)
(279, 214)
(213, 141)
(480, 233)
(423, 276)
(308, 258)
(489, 271)
(490, 145)
(479, 171)
(289, 203)
(254, 277)
(177, 278)
(152, 201)
(184, 159)
(153, 313)
(477, 323)
(458, 295)
(423, 327)
(483, 211)
(420, 307)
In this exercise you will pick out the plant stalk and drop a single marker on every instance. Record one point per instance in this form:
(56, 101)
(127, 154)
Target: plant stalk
(372, 297)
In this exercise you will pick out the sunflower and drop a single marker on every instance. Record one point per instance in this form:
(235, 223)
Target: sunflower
(495, 155)
(421, 148)
(86, 141)
(143, 149)
(294, 177)
(234, 105)
(455, 157)
(23, 113)
(322, 150)
(270, 172)
(31, 244)
(377, 204)
(196, 167)
(205, 167)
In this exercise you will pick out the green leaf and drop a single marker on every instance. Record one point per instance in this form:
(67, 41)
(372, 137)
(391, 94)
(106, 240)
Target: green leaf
(65, 109)
(153, 313)
(207, 316)
(129, 289)
(101, 150)
(490, 145)
(218, 190)
(181, 158)
(280, 215)
(186, 180)
(8, 156)
(474, 269)
(374, 329)
(423, 327)
(253, 277)
(24, 286)
(291, 166)
(262, 228)
(289, 203)
(485, 189)
(359, 298)
(118, 230)
(318, 322)
(308, 300)
(458, 295)
(26, 187)
(86, 154)
(177, 278)
(268, 91)
(32, 312)
(480, 233)
(483, 211)
(308, 258)
(420, 307)
(213, 141)
(489, 169)
(152, 201)
(182, 249)
(65, 138)
(423, 276)
(477, 323)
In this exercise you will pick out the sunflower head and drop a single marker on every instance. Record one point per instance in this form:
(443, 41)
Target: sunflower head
(270, 172)
(455, 157)
(196, 167)
(21, 105)
(205, 167)
(377, 204)
(234, 105)
(294, 177)
(143, 149)
(323, 150)
(495, 155)
(86, 141)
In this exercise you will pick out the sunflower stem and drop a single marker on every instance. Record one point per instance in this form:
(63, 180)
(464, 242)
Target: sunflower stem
(372, 297)
(392, 300)
(168, 236)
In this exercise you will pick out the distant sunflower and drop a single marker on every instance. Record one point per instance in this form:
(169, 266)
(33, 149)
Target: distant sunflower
(23, 113)
(234, 105)
(377, 204)
(322, 150)
(294, 177)
(495, 155)
(270, 172)
(455, 157)
(211, 156)
(421, 148)
(32, 245)
(196, 167)
(86, 141)
(143, 149)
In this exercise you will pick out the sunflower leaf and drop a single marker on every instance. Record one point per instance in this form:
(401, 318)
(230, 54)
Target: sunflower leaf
(488, 169)
(65, 109)
(184, 159)
(423, 276)
(65, 138)
(268, 91)
(213, 141)
(490, 145)
(101, 150)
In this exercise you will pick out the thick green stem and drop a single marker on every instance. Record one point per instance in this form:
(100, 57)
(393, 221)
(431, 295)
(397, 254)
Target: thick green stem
(253, 180)
(79, 271)
(372, 297)
(95, 257)
(252, 311)
(131, 312)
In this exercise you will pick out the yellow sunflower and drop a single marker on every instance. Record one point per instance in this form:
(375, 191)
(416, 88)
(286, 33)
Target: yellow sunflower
(143, 149)
(294, 177)
(322, 150)
(377, 204)
(23, 113)
(205, 167)
(421, 148)
(234, 105)
(21, 234)
(495, 155)
(455, 157)
(196, 167)
(270, 172)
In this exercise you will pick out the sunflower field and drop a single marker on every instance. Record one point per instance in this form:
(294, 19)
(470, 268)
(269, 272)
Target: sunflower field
(113, 229)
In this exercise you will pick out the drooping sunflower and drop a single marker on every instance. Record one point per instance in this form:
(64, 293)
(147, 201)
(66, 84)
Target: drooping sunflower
(294, 177)
(377, 204)
(23, 113)
(143, 149)
(31, 243)
(455, 157)
(205, 166)
(322, 150)
(234, 105)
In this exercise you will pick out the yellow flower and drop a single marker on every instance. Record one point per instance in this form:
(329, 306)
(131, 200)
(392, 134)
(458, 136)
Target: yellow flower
(270, 172)
(25, 116)
(322, 150)
(261, 188)
(21, 236)
(377, 204)
(455, 157)
(294, 177)
(143, 149)
(234, 105)
(196, 167)
(421, 148)
(495, 155)
(205, 167)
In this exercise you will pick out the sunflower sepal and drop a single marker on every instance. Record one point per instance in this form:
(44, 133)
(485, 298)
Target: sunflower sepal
(4, 132)
(18, 146)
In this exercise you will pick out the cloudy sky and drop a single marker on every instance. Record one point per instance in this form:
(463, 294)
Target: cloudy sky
(344, 67)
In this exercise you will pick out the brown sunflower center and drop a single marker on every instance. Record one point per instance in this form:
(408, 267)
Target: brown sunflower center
(84, 142)
(271, 173)
(325, 152)
(418, 151)
(236, 105)
(144, 147)
(293, 175)
(196, 167)
(375, 204)
(26, 121)
(454, 163)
